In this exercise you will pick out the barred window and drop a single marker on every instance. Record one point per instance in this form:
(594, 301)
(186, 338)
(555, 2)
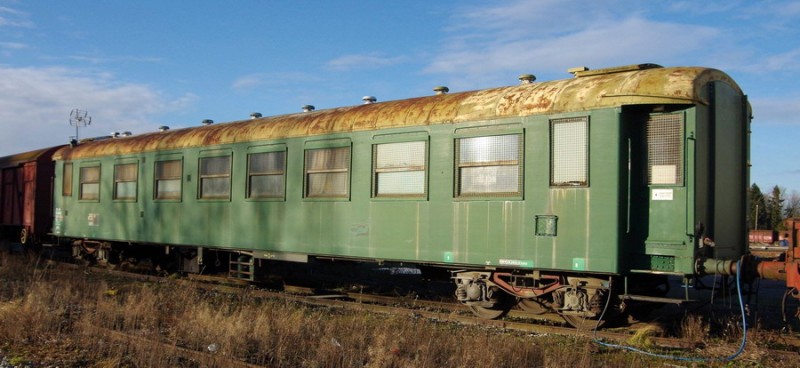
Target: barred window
(489, 166)
(168, 179)
(665, 149)
(569, 152)
(125, 184)
(66, 183)
(90, 183)
(215, 177)
(399, 169)
(267, 173)
(327, 172)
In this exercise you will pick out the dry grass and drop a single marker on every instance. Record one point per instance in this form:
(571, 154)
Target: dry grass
(69, 320)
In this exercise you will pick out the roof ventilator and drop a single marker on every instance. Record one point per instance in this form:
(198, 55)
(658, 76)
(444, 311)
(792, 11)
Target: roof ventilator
(526, 78)
(576, 71)
(441, 90)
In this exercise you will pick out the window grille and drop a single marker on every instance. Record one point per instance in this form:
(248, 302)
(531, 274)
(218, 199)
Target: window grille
(665, 149)
(569, 152)
(399, 169)
(489, 166)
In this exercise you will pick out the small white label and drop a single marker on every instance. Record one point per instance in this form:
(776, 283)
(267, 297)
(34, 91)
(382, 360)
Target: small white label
(662, 194)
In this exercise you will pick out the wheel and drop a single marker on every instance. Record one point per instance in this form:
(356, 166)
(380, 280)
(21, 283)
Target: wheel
(488, 313)
(535, 305)
(582, 323)
(23, 236)
(502, 303)
(790, 310)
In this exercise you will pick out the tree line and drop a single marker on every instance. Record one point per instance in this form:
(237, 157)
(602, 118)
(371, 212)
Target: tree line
(768, 210)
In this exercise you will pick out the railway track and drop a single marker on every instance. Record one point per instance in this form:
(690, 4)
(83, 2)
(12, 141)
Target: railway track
(437, 311)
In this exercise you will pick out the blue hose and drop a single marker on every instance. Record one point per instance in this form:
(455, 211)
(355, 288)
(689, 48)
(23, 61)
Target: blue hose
(674, 357)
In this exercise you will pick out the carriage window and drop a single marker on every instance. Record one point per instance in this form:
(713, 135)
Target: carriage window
(327, 172)
(90, 183)
(569, 152)
(489, 166)
(399, 169)
(125, 181)
(266, 174)
(665, 149)
(215, 177)
(168, 179)
(66, 184)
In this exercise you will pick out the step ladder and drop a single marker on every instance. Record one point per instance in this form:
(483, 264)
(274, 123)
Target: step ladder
(242, 266)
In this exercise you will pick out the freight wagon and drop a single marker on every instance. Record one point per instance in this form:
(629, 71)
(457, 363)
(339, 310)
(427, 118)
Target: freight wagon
(26, 200)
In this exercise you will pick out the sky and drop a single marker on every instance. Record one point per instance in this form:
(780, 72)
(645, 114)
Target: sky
(137, 65)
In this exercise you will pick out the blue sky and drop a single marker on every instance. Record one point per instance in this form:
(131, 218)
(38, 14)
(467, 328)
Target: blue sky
(137, 65)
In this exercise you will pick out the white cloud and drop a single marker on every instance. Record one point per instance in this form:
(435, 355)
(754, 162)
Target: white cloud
(13, 45)
(249, 81)
(35, 104)
(271, 80)
(768, 62)
(776, 110)
(363, 61)
(14, 18)
(488, 50)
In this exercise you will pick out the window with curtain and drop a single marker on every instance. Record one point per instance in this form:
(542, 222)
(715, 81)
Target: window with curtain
(327, 172)
(125, 184)
(266, 174)
(215, 177)
(66, 183)
(90, 183)
(168, 179)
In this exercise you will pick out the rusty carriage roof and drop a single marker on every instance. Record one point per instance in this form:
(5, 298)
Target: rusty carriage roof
(590, 89)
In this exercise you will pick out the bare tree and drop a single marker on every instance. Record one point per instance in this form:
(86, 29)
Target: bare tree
(791, 208)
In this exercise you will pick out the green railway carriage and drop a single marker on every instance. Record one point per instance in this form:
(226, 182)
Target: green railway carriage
(545, 192)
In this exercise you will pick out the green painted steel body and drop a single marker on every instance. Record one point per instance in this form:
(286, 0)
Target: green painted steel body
(616, 224)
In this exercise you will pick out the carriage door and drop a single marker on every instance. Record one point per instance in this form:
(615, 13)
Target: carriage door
(665, 182)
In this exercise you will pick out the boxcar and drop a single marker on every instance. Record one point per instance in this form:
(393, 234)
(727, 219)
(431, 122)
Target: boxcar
(26, 201)
(555, 194)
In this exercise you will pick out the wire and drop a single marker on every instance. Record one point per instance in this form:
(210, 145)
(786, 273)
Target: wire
(675, 357)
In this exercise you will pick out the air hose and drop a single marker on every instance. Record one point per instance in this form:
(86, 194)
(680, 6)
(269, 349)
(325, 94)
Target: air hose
(675, 357)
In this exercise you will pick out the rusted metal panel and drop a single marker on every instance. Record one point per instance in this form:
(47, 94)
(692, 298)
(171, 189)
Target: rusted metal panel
(29, 194)
(21, 158)
(11, 196)
(25, 196)
(604, 88)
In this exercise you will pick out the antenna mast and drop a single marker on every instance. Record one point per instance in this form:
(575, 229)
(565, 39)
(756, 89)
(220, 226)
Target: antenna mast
(79, 118)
